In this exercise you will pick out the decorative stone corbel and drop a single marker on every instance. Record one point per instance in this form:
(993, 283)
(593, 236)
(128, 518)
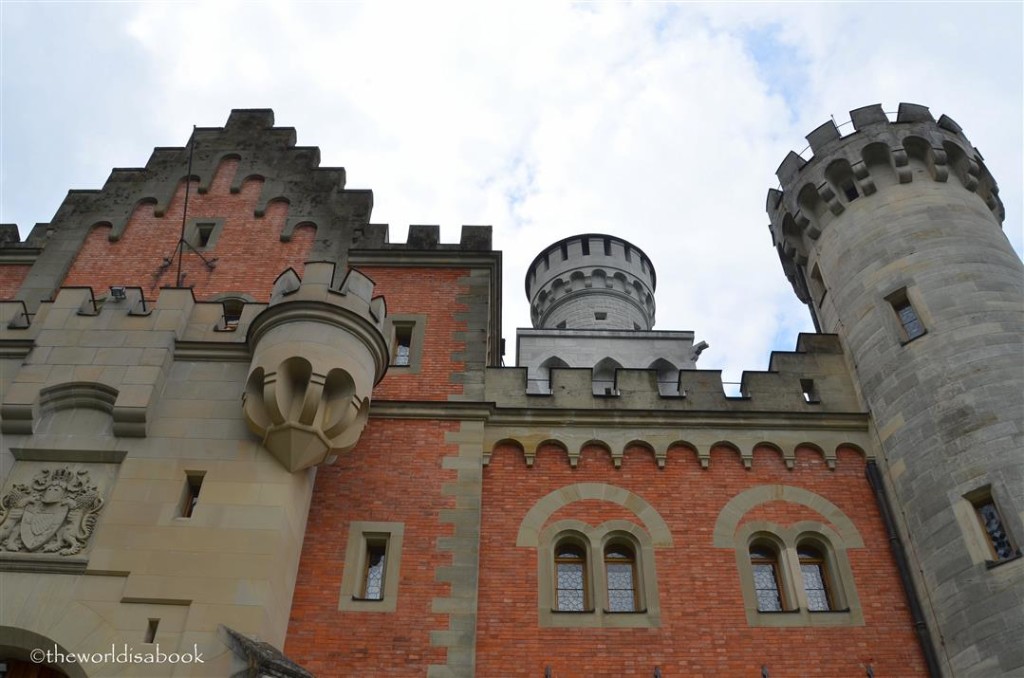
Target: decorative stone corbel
(317, 354)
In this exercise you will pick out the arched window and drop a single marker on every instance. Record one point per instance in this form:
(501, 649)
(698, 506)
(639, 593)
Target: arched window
(815, 578)
(620, 570)
(764, 562)
(571, 578)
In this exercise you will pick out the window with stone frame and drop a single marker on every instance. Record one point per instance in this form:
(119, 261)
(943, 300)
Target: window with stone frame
(571, 577)
(998, 539)
(621, 577)
(815, 578)
(764, 564)
(369, 581)
(597, 576)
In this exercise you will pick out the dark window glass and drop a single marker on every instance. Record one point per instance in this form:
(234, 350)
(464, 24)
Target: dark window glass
(912, 325)
(992, 523)
(193, 483)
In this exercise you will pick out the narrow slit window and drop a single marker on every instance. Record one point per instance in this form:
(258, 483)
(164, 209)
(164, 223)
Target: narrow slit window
(817, 285)
(403, 345)
(151, 631)
(764, 563)
(373, 574)
(815, 579)
(565, 251)
(991, 522)
(911, 326)
(193, 484)
(607, 247)
(810, 391)
(586, 246)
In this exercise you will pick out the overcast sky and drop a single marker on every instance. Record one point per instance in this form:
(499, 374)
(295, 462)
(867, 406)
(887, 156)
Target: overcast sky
(660, 123)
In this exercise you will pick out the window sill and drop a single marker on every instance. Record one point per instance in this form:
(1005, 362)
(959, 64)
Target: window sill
(845, 610)
(793, 611)
(367, 600)
(992, 564)
(904, 342)
(554, 611)
(643, 611)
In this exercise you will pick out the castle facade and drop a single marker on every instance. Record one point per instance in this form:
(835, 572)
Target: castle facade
(244, 431)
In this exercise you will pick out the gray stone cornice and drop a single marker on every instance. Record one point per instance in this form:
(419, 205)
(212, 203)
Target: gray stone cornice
(528, 416)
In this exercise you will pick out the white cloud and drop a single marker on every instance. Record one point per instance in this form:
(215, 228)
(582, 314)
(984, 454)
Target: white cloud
(659, 123)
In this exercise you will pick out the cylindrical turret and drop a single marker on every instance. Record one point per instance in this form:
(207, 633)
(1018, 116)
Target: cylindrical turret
(591, 281)
(893, 236)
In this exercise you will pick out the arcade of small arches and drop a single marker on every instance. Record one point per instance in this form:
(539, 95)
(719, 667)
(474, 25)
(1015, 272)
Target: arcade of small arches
(604, 375)
(789, 454)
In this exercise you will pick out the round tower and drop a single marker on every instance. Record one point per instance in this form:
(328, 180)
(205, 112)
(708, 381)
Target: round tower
(892, 235)
(591, 281)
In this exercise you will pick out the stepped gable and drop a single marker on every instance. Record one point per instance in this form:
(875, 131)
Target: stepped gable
(315, 195)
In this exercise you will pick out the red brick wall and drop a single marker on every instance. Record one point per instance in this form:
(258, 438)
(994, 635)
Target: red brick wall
(249, 250)
(11, 277)
(393, 475)
(704, 630)
(434, 293)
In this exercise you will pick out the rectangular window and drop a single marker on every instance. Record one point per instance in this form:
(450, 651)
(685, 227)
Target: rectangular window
(373, 571)
(810, 392)
(369, 582)
(910, 323)
(403, 345)
(998, 540)
(817, 286)
(193, 484)
(203, 233)
(151, 631)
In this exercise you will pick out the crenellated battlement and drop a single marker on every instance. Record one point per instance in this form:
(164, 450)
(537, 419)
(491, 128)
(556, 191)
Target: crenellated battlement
(878, 154)
(425, 238)
(813, 379)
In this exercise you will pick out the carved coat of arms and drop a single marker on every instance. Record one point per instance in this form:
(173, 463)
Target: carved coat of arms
(55, 513)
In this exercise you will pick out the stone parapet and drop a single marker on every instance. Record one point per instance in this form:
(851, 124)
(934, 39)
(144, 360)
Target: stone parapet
(846, 168)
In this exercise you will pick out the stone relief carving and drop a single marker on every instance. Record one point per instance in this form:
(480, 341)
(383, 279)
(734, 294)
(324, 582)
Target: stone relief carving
(55, 513)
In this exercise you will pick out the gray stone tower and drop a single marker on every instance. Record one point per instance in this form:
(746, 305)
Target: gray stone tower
(592, 305)
(892, 235)
(591, 282)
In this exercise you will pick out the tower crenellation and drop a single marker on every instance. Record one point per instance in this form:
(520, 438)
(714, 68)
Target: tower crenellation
(878, 153)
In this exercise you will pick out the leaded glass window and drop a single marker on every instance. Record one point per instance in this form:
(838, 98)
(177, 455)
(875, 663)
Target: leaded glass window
(620, 565)
(815, 581)
(571, 578)
(373, 582)
(992, 523)
(764, 563)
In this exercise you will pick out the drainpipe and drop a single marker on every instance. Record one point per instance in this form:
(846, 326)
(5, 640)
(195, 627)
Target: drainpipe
(923, 637)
